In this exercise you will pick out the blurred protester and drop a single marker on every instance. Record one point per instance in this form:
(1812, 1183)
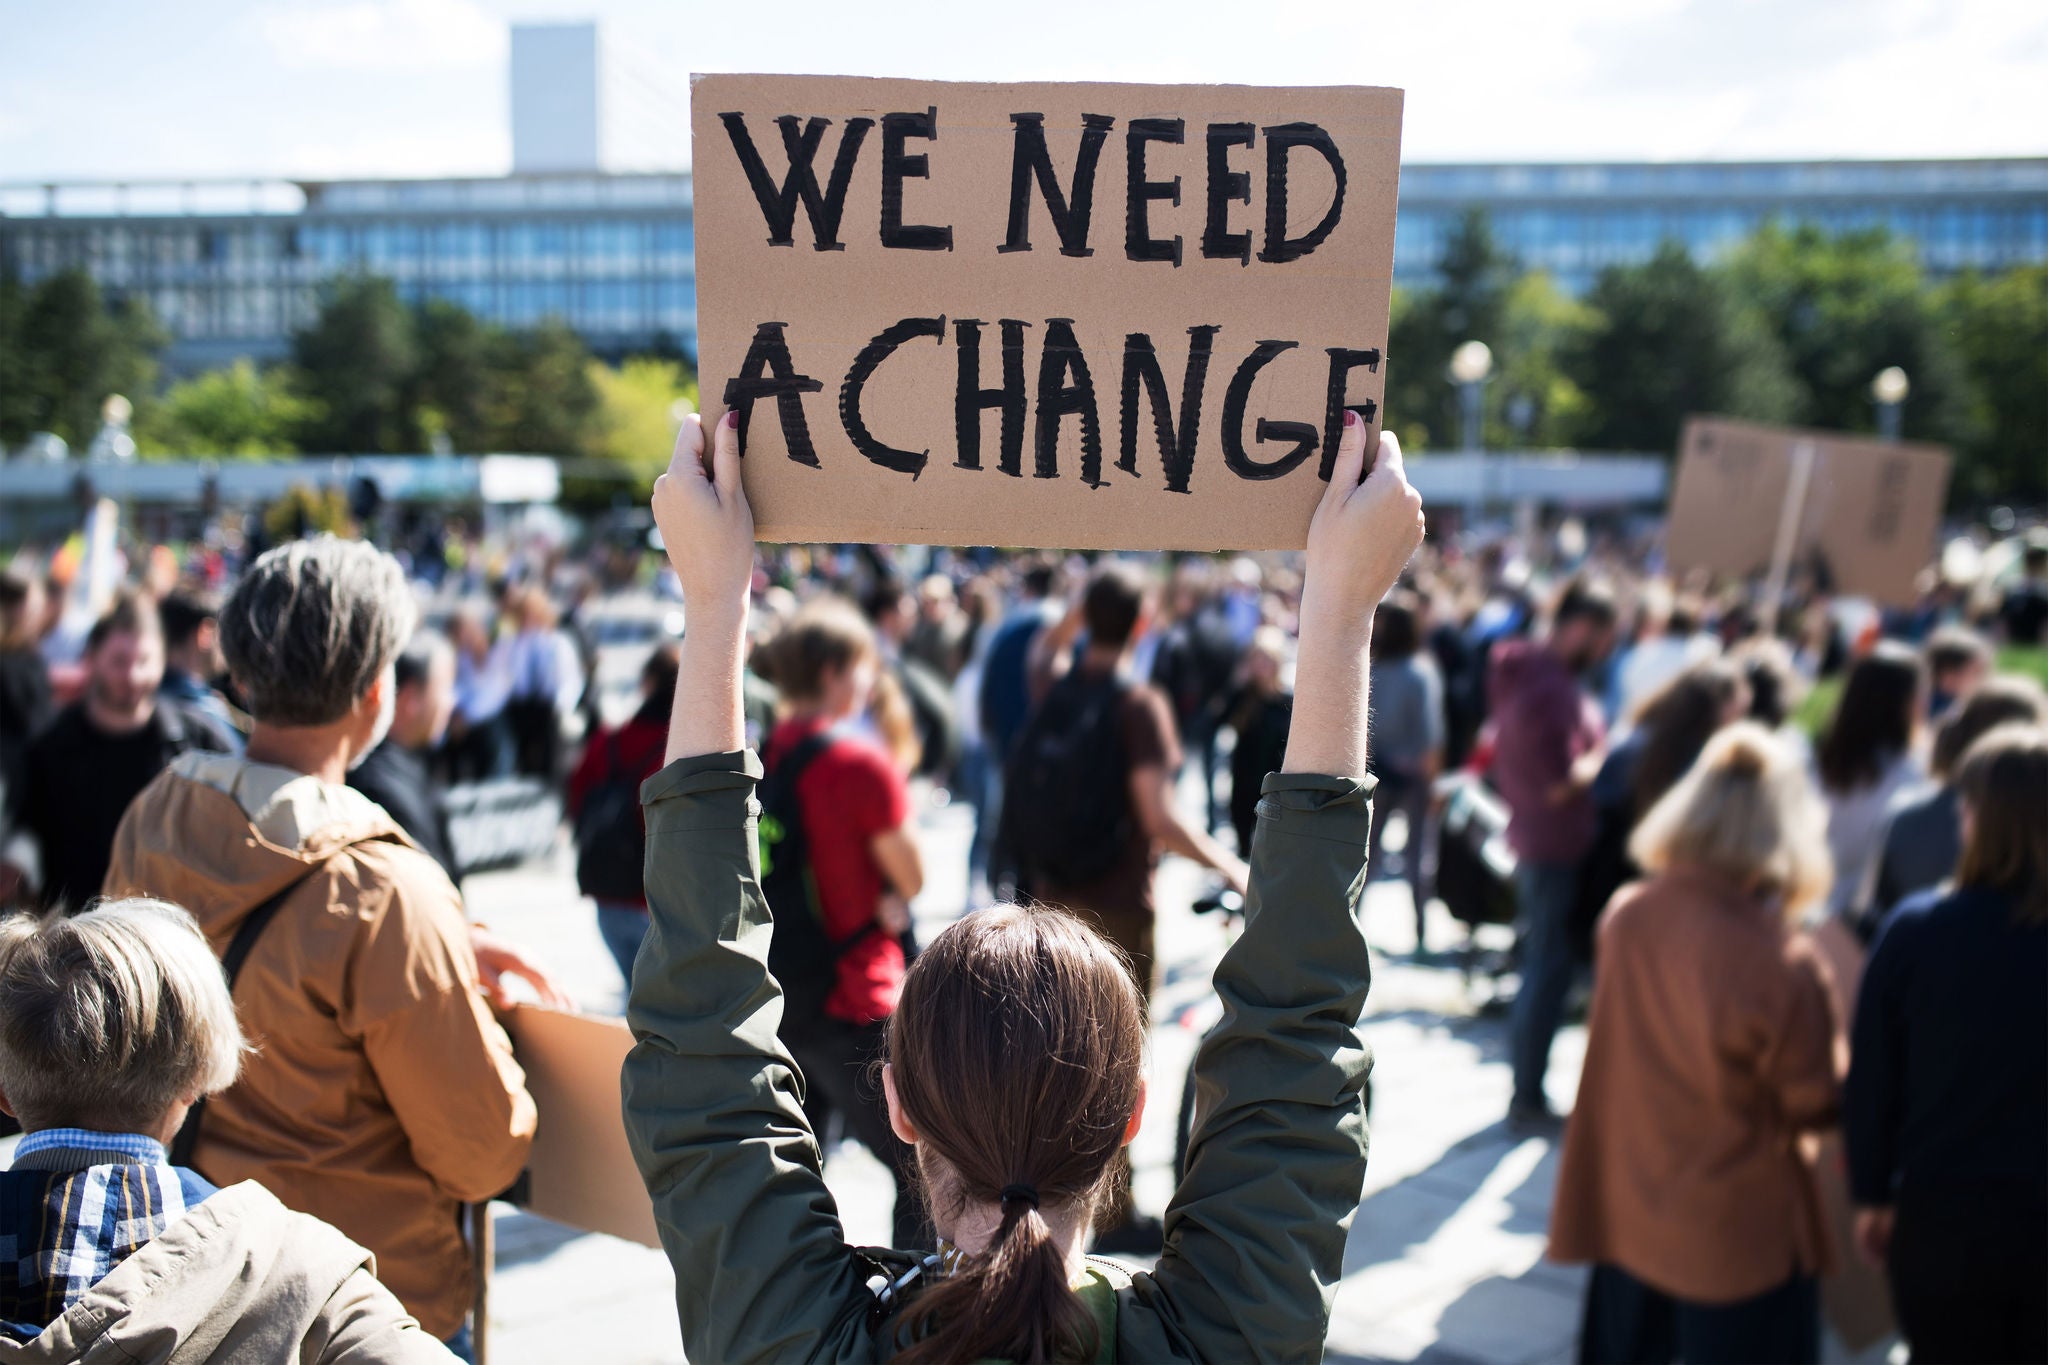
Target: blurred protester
(385, 1095)
(1866, 757)
(1776, 687)
(1669, 641)
(1957, 659)
(1666, 734)
(1260, 717)
(1708, 1054)
(88, 763)
(838, 850)
(1947, 1117)
(114, 1026)
(396, 774)
(192, 659)
(25, 701)
(1460, 666)
(937, 638)
(2023, 611)
(1407, 745)
(1545, 726)
(481, 746)
(1003, 704)
(1923, 828)
(910, 690)
(604, 807)
(546, 684)
(1088, 806)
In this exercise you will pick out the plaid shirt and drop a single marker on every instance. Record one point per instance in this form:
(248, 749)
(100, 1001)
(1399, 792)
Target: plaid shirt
(75, 1205)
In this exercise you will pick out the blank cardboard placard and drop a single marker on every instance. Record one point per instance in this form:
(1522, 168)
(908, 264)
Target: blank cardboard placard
(1089, 316)
(580, 1171)
(1868, 525)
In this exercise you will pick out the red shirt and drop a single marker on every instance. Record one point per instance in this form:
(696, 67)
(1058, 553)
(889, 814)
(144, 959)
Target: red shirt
(850, 793)
(640, 745)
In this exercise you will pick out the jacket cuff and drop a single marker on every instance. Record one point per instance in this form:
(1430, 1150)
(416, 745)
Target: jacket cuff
(701, 775)
(1319, 805)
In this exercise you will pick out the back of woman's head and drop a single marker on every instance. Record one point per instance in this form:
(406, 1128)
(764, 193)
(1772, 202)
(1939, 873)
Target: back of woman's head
(1874, 720)
(2003, 780)
(1999, 701)
(1015, 1054)
(1747, 813)
(1678, 719)
(826, 636)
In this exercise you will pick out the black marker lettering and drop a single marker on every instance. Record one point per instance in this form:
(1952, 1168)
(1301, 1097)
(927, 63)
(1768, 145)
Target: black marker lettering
(778, 206)
(896, 168)
(1280, 140)
(1141, 366)
(768, 372)
(1057, 397)
(969, 398)
(1139, 243)
(1237, 397)
(1342, 363)
(1030, 159)
(909, 462)
(1219, 243)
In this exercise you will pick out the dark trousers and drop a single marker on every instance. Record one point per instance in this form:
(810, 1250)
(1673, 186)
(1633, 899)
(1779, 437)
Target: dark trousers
(1546, 892)
(1969, 1273)
(840, 1077)
(1629, 1323)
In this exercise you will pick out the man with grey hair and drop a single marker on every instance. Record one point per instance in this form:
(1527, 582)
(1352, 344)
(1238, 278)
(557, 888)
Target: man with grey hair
(385, 1094)
(113, 1024)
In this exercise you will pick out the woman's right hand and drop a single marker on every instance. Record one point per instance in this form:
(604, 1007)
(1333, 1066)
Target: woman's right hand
(705, 522)
(1362, 534)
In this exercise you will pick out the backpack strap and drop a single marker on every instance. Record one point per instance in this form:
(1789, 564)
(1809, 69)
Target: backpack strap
(246, 934)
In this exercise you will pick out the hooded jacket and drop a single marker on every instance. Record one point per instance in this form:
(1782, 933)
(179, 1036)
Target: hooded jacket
(239, 1278)
(1543, 723)
(382, 1093)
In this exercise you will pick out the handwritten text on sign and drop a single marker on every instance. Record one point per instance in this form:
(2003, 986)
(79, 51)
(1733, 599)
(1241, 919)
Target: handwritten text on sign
(1071, 315)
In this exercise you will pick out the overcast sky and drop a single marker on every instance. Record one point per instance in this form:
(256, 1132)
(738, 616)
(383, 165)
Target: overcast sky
(314, 88)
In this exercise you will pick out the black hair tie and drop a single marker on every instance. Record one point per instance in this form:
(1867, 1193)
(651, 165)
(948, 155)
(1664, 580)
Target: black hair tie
(1021, 1192)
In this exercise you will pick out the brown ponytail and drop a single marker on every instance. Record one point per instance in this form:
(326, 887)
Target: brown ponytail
(1015, 1053)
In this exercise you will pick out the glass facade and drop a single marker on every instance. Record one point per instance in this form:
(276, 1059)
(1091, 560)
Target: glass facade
(234, 268)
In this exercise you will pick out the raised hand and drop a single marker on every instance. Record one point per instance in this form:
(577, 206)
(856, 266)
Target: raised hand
(705, 522)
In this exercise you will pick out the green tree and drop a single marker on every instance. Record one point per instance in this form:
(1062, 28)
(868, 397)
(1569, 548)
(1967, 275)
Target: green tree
(1533, 400)
(1844, 307)
(1670, 339)
(1998, 324)
(239, 411)
(68, 347)
(359, 359)
(16, 406)
(543, 401)
(451, 388)
(1468, 303)
(637, 411)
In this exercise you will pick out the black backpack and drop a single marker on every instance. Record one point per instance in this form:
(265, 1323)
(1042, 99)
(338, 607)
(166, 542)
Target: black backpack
(611, 841)
(802, 957)
(1067, 814)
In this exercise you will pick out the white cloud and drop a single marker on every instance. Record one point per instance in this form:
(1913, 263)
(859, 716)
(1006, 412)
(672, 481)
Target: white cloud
(384, 35)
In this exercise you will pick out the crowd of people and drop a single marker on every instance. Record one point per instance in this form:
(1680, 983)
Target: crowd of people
(1786, 935)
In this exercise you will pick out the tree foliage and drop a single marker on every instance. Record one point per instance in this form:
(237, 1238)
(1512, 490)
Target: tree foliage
(239, 412)
(64, 348)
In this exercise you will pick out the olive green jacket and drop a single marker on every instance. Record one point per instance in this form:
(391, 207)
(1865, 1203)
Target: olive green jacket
(1255, 1234)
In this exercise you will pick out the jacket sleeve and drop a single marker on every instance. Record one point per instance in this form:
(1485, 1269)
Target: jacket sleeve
(443, 1062)
(713, 1102)
(364, 1325)
(1873, 1102)
(1255, 1234)
(1799, 1064)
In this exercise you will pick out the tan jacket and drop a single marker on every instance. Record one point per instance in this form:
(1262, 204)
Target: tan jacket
(382, 1093)
(1709, 1053)
(239, 1278)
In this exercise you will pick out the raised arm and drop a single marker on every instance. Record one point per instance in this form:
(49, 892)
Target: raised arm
(712, 1100)
(1255, 1235)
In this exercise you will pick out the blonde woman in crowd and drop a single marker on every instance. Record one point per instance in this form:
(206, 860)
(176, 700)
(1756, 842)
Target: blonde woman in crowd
(1710, 1051)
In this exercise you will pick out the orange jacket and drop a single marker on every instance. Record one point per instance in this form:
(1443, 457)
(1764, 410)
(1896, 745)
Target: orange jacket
(381, 1093)
(1709, 1055)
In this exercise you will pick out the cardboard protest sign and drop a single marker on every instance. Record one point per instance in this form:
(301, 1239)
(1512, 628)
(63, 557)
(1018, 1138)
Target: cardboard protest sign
(1867, 518)
(1089, 316)
(580, 1171)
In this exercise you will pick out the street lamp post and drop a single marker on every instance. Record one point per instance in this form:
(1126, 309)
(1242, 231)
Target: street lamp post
(1470, 364)
(1888, 390)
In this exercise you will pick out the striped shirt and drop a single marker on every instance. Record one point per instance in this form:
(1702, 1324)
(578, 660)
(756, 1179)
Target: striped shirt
(75, 1205)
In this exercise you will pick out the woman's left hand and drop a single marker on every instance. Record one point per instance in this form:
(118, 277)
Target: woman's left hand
(705, 522)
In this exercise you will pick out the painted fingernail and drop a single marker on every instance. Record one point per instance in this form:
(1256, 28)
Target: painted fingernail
(732, 418)
(1350, 418)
